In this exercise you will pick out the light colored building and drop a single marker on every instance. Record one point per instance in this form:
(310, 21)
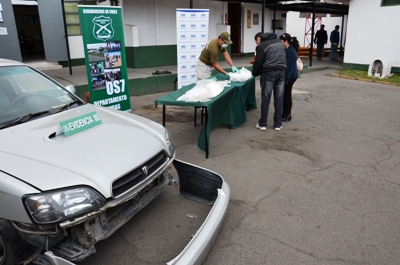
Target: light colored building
(149, 29)
(372, 34)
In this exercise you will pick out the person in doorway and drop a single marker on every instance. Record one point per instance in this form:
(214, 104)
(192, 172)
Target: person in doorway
(321, 38)
(208, 59)
(292, 46)
(270, 64)
(334, 38)
(257, 40)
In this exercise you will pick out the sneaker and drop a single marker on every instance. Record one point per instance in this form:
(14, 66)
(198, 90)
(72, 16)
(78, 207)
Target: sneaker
(261, 128)
(278, 128)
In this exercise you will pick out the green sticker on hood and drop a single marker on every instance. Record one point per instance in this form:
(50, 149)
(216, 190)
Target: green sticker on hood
(80, 123)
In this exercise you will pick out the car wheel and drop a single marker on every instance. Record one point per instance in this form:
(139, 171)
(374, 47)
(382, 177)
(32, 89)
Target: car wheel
(7, 256)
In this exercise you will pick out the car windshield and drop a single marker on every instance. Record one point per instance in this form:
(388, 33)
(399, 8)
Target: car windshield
(26, 94)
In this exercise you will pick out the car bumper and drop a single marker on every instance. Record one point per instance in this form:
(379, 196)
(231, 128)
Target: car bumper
(198, 184)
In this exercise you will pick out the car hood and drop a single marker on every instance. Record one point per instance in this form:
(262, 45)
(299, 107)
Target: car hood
(95, 157)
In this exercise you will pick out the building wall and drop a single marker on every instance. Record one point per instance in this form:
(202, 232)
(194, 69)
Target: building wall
(156, 20)
(372, 34)
(248, 33)
(150, 29)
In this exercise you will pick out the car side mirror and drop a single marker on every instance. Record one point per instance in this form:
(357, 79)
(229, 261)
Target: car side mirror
(70, 88)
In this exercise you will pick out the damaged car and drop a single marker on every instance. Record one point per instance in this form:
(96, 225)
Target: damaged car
(61, 193)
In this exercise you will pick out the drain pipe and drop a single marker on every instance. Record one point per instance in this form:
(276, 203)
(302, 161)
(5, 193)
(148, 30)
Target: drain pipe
(312, 35)
(66, 37)
(263, 15)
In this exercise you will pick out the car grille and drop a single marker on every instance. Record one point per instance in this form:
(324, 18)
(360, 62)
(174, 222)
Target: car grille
(130, 180)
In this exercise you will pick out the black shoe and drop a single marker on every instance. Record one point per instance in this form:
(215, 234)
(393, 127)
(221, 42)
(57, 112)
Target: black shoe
(286, 118)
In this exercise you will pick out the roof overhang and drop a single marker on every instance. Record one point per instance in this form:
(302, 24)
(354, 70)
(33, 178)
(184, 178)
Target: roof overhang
(24, 2)
(325, 8)
(340, 7)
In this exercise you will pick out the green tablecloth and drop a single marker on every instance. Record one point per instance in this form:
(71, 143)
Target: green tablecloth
(229, 107)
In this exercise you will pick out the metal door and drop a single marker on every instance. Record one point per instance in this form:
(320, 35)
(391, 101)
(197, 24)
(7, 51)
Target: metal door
(52, 23)
(9, 43)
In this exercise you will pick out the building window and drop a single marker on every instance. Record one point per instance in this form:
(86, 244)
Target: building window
(72, 15)
(390, 2)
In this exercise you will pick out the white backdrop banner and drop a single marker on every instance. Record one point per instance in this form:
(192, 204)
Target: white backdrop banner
(192, 36)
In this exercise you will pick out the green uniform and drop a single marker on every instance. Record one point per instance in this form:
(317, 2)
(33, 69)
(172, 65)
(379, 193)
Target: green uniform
(210, 53)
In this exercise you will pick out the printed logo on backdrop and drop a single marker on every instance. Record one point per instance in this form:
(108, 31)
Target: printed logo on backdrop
(105, 57)
(102, 28)
(192, 36)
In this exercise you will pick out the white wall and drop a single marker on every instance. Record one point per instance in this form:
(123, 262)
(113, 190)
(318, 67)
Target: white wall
(372, 33)
(297, 27)
(156, 19)
(154, 23)
(248, 44)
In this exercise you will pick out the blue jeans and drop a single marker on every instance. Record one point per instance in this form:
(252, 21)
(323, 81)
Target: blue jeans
(273, 80)
(332, 55)
(320, 48)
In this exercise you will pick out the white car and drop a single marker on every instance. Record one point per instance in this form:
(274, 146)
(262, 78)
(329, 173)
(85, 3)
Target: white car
(72, 173)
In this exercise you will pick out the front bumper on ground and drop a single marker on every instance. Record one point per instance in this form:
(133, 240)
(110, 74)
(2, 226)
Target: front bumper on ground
(198, 184)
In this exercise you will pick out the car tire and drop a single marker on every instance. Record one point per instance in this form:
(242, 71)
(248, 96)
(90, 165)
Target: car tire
(7, 256)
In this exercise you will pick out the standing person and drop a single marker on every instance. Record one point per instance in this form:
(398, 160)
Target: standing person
(208, 59)
(257, 40)
(321, 38)
(292, 46)
(334, 38)
(270, 64)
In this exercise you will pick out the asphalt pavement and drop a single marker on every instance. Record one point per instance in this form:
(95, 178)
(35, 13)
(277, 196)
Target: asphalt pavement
(324, 190)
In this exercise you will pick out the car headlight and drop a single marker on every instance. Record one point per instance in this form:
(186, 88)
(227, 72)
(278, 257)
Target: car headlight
(170, 143)
(57, 206)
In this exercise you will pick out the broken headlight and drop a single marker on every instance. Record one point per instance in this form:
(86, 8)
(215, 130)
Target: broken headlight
(60, 205)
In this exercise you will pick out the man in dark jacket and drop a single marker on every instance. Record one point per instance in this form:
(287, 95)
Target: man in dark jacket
(270, 64)
(321, 38)
(334, 38)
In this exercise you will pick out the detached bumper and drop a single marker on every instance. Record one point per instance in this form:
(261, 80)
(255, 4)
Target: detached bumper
(207, 187)
(198, 184)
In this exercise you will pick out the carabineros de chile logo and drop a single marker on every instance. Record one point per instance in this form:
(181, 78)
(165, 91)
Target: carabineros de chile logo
(102, 28)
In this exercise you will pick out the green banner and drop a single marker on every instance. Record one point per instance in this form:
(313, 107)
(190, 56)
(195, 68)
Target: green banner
(104, 45)
(80, 123)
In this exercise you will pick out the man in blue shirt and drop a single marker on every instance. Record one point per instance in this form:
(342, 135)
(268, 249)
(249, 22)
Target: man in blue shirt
(334, 43)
